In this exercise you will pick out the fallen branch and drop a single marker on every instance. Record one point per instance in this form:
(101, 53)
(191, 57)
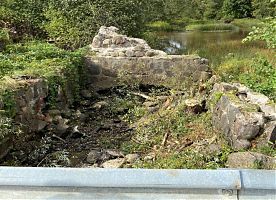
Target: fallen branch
(55, 136)
(165, 139)
(142, 95)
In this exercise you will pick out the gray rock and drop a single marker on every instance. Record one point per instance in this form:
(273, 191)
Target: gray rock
(270, 131)
(114, 153)
(269, 110)
(223, 87)
(94, 156)
(131, 158)
(148, 158)
(62, 127)
(106, 42)
(257, 98)
(115, 163)
(38, 125)
(150, 53)
(54, 113)
(118, 39)
(240, 122)
(97, 42)
(139, 54)
(194, 105)
(250, 160)
(86, 94)
(130, 53)
(100, 105)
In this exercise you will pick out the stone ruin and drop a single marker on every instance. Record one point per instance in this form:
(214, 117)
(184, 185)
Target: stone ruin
(108, 42)
(246, 118)
(115, 56)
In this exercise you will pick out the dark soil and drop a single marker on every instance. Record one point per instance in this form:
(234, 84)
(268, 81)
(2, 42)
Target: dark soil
(91, 126)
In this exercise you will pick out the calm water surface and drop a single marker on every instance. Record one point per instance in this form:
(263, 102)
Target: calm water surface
(190, 42)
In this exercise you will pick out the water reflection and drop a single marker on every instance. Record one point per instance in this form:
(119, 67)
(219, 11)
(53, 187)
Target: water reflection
(189, 42)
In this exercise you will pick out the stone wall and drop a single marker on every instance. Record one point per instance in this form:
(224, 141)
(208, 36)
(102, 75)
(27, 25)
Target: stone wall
(243, 116)
(115, 56)
(105, 71)
(30, 108)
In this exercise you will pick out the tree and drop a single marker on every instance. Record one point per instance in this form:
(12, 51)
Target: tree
(213, 9)
(237, 8)
(264, 8)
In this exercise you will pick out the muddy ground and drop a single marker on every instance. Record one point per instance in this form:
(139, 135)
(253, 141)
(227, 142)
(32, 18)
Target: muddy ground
(97, 123)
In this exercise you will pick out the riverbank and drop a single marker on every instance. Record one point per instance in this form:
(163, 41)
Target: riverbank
(204, 25)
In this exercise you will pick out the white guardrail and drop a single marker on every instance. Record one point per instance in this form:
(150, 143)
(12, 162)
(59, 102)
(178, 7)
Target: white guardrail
(134, 184)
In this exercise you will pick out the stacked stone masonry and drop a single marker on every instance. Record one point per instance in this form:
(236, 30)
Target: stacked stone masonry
(114, 54)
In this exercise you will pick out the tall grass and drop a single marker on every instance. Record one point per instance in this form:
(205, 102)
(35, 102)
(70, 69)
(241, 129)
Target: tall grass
(211, 27)
(246, 24)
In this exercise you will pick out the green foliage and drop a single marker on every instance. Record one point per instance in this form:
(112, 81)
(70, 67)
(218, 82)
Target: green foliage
(258, 74)
(189, 159)
(160, 26)
(237, 8)
(265, 33)
(261, 77)
(213, 9)
(246, 24)
(7, 127)
(264, 8)
(37, 59)
(25, 16)
(72, 24)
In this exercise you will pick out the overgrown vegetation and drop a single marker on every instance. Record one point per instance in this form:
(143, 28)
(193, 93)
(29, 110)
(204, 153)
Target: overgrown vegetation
(173, 138)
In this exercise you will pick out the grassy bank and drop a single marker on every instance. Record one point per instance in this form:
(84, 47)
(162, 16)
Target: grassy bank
(167, 26)
(250, 64)
(245, 24)
(211, 27)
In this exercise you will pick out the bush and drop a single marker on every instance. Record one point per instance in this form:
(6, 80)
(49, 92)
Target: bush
(266, 33)
(4, 38)
(37, 59)
(261, 77)
(72, 24)
(258, 74)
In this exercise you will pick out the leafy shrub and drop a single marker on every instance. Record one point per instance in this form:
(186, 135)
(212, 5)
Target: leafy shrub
(266, 33)
(258, 74)
(261, 77)
(37, 59)
(72, 24)
(4, 38)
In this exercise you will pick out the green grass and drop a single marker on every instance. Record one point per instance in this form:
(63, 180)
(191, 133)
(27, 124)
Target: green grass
(246, 24)
(37, 59)
(176, 25)
(211, 27)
